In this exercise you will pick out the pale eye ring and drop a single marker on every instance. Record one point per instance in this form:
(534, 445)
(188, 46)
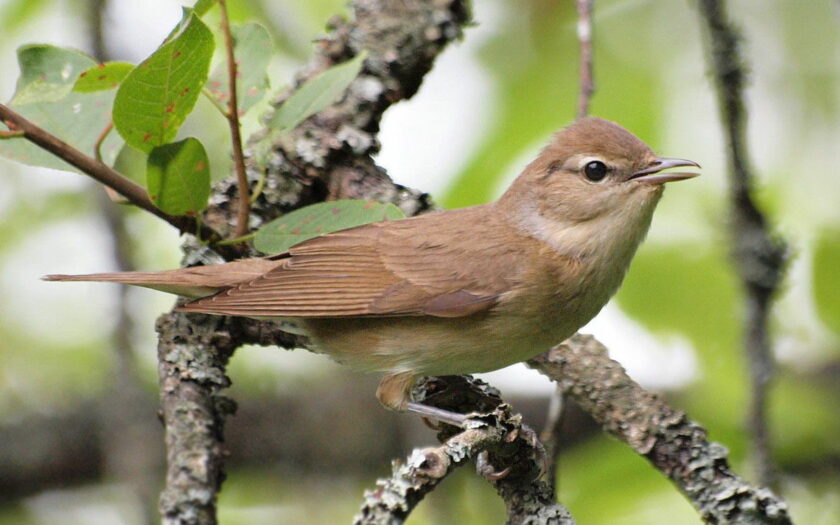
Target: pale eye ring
(595, 170)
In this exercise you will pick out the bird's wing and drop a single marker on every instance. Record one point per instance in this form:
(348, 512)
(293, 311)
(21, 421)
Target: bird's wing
(429, 265)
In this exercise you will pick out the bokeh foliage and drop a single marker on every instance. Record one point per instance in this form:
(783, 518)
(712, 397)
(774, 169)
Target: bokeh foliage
(650, 75)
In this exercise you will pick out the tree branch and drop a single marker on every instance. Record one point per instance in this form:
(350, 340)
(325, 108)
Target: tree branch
(760, 258)
(666, 437)
(507, 453)
(394, 498)
(232, 116)
(191, 367)
(328, 156)
(99, 171)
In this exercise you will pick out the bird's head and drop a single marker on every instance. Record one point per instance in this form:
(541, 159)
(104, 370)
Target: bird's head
(595, 168)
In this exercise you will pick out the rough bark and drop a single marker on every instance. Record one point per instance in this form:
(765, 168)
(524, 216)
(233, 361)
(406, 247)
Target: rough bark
(326, 157)
(191, 370)
(507, 453)
(329, 157)
(674, 444)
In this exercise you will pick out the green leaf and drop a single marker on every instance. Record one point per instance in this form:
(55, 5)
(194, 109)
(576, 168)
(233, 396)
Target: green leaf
(252, 48)
(76, 118)
(47, 73)
(178, 177)
(826, 271)
(102, 77)
(316, 94)
(156, 97)
(202, 6)
(317, 219)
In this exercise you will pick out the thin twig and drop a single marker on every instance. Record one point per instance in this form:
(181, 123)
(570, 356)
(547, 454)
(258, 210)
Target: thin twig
(232, 115)
(550, 435)
(215, 101)
(759, 257)
(584, 33)
(99, 171)
(666, 437)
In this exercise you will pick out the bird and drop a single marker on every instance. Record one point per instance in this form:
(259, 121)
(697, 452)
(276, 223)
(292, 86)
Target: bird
(458, 291)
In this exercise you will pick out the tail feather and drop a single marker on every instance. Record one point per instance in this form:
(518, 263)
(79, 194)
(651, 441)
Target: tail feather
(193, 282)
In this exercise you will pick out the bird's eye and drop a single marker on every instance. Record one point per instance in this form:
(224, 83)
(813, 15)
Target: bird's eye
(595, 170)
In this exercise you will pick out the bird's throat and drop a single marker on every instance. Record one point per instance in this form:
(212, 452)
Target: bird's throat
(603, 246)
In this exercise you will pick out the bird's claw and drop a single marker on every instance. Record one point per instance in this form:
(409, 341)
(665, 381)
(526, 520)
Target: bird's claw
(482, 464)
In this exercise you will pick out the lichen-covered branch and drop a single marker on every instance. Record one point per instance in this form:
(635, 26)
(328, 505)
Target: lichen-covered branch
(507, 453)
(666, 437)
(394, 498)
(326, 157)
(191, 370)
(329, 156)
(758, 255)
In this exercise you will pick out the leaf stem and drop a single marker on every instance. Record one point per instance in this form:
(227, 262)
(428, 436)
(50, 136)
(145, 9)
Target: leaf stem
(97, 154)
(213, 100)
(258, 188)
(237, 240)
(97, 146)
(12, 134)
(235, 131)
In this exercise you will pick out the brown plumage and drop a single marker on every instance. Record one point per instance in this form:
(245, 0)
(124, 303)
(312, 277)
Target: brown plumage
(459, 291)
(380, 269)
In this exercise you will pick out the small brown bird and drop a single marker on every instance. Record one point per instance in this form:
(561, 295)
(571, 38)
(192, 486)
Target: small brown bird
(460, 291)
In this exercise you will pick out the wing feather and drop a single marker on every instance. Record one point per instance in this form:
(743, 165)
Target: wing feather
(427, 265)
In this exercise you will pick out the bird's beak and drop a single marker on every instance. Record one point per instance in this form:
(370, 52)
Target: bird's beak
(652, 173)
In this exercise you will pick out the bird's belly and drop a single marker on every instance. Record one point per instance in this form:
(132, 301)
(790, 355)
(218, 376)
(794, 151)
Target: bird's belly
(432, 345)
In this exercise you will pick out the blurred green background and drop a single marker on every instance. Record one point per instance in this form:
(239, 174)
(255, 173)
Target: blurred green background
(79, 439)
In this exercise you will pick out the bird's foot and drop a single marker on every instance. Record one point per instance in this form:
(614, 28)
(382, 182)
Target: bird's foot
(486, 469)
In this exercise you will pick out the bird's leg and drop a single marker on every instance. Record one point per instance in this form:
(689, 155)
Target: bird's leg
(444, 416)
(394, 392)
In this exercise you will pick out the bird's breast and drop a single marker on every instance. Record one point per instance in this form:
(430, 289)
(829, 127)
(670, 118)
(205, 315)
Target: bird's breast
(431, 345)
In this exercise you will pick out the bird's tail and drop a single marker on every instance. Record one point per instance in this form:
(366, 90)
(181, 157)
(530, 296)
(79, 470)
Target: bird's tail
(192, 282)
